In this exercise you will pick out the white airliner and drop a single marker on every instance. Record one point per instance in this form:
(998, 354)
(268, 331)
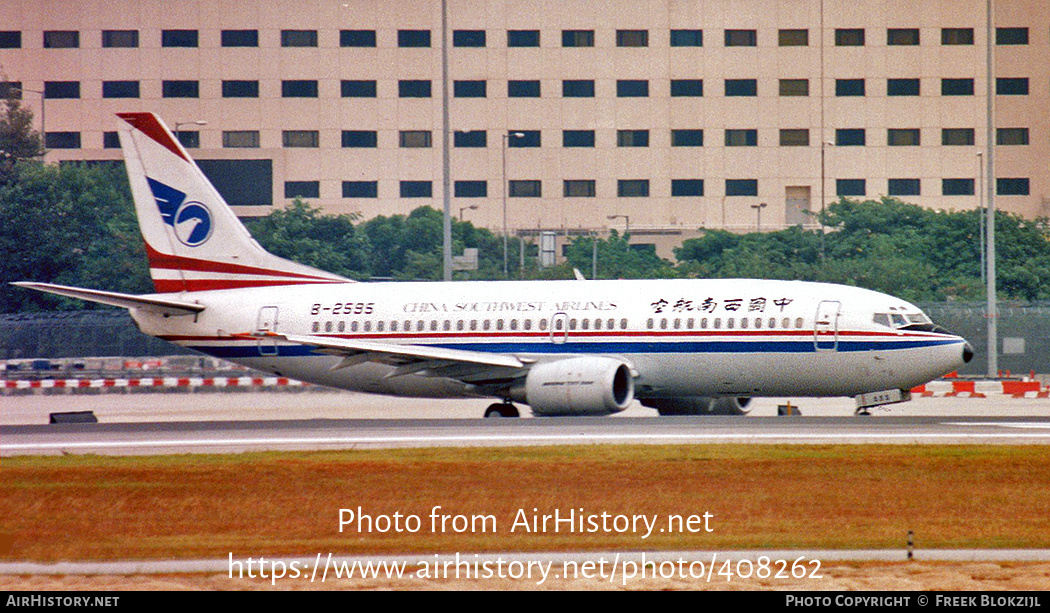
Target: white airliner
(585, 347)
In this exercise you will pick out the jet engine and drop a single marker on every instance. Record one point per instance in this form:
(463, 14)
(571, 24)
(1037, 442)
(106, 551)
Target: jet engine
(698, 405)
(577, 386)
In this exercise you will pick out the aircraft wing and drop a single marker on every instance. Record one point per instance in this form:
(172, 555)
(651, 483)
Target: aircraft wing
(475, 367)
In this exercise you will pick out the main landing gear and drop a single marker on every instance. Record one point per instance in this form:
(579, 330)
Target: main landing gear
(502, 409)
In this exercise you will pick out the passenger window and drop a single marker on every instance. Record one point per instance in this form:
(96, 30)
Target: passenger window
(473, 324)
(368, 326)
(486, 324)
(420, 325)
(623, 324)
(786, 323)
(772, 322)
(393, 326)
(499, 324)
(663, 323)
(649, 323)
(528, 324)
(379, 326)
(572, 323)
(798, 323)
(459, 325)
(585, 324)
(434, 325)
(677, 323)
(353, 326)
(730, 322)
(317, 326)
(342, 326)
(514, 324)
(447, 326)
(689, 323)
(758, 322)
(718, 322)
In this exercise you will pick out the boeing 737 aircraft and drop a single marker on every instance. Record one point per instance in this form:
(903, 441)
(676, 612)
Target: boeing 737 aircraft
(582, 347)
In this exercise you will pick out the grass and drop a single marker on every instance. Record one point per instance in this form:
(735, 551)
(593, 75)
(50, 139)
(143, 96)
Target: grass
(791, 496)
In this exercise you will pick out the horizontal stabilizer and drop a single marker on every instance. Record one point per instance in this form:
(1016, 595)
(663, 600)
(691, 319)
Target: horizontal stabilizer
(154, 304)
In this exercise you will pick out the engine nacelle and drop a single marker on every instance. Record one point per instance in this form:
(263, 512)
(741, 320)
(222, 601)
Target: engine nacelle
(577, 386)
(698, 405)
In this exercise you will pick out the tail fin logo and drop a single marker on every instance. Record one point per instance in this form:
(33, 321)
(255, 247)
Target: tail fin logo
(191, 221)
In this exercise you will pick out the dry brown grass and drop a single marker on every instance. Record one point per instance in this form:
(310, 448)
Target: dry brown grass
(96, 508)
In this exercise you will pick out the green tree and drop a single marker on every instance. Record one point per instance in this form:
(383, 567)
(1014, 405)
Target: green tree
(18, 140)
(617, 258)
(305, 234)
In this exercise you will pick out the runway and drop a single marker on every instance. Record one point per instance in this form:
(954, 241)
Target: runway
(327, 434)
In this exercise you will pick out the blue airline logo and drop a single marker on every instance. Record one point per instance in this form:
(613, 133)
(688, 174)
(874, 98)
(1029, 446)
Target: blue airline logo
(191, 221)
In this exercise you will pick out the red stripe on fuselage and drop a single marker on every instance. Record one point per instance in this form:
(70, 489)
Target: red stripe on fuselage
(174, 286)
(147, 124)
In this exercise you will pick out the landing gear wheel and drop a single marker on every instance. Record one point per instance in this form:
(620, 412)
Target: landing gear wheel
(862, 411)
(503, 409)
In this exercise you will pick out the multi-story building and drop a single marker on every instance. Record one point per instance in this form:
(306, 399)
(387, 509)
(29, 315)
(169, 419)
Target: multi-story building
(667, 115)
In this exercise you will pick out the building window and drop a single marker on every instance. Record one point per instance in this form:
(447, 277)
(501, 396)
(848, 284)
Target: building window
(1012, 187)
(523, 38)
(957, 136)
(302, 189)
(850, 187)
(360, 189)
(903, 137)
(358, 38)
(61, 89)
(577, 38)
(240, 89)
(527, 138)
(632, 38)
(632, 138)
(849, 87)
(413, 89)
(241, 182)
(632, 89)
(359, 138)
(240, 139)
(687, 187)
(475, 138)
(956, 87)
(850, 137)
(956, 36)
(10, 39)
(577, 138)
(741, 138)
(120, 89)
(577, 89)
(741, 87)
(902, 36)
(579, 188)
(468, 38)
(11, 89)
(299, 89)
(523, 89)
(687, 87)
(61, 39)
(298, 38)
(357, 89)
(239, 38)
(411, 139)
(687, 38)
(413, 38)
(957, 187)
(741, 187)
(471, 189)
(794, 87)
(416, 189)
(905, 187)
(1011, 86)
(793, 38)
(120, 38)
(300, 138)
(62, 140)
(849, 37)
(1011, 136)
(110, 140)
(741, 38)
(469, 89)
(632, 188)
(178, 38)
(687, 138)
(180, 89)
(902, 87)
(1011, 36)
(525, 189)
(794, 137)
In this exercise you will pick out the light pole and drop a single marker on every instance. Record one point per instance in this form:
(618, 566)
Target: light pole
(627, 227)
(993, 308)
(464, 208)
(758, 210)
(178, 124)
(980, 210)
(506, 142)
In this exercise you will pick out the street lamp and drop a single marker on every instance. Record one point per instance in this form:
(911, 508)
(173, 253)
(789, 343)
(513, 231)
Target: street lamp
(464, 208)
(758, 211)
(506, 142)
(178, 124)
(627, 221)
(980, 210)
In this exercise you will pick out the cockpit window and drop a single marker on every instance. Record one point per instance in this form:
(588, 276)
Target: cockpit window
(915, 322)
(898, 320)
(883, 319)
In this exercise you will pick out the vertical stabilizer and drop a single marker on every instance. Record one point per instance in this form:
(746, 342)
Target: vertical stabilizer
(194, 241)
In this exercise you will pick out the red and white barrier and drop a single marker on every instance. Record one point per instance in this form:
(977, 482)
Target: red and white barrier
(151, 382)
(956, 388)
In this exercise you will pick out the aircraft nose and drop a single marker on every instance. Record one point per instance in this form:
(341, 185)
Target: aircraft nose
(967, 353)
